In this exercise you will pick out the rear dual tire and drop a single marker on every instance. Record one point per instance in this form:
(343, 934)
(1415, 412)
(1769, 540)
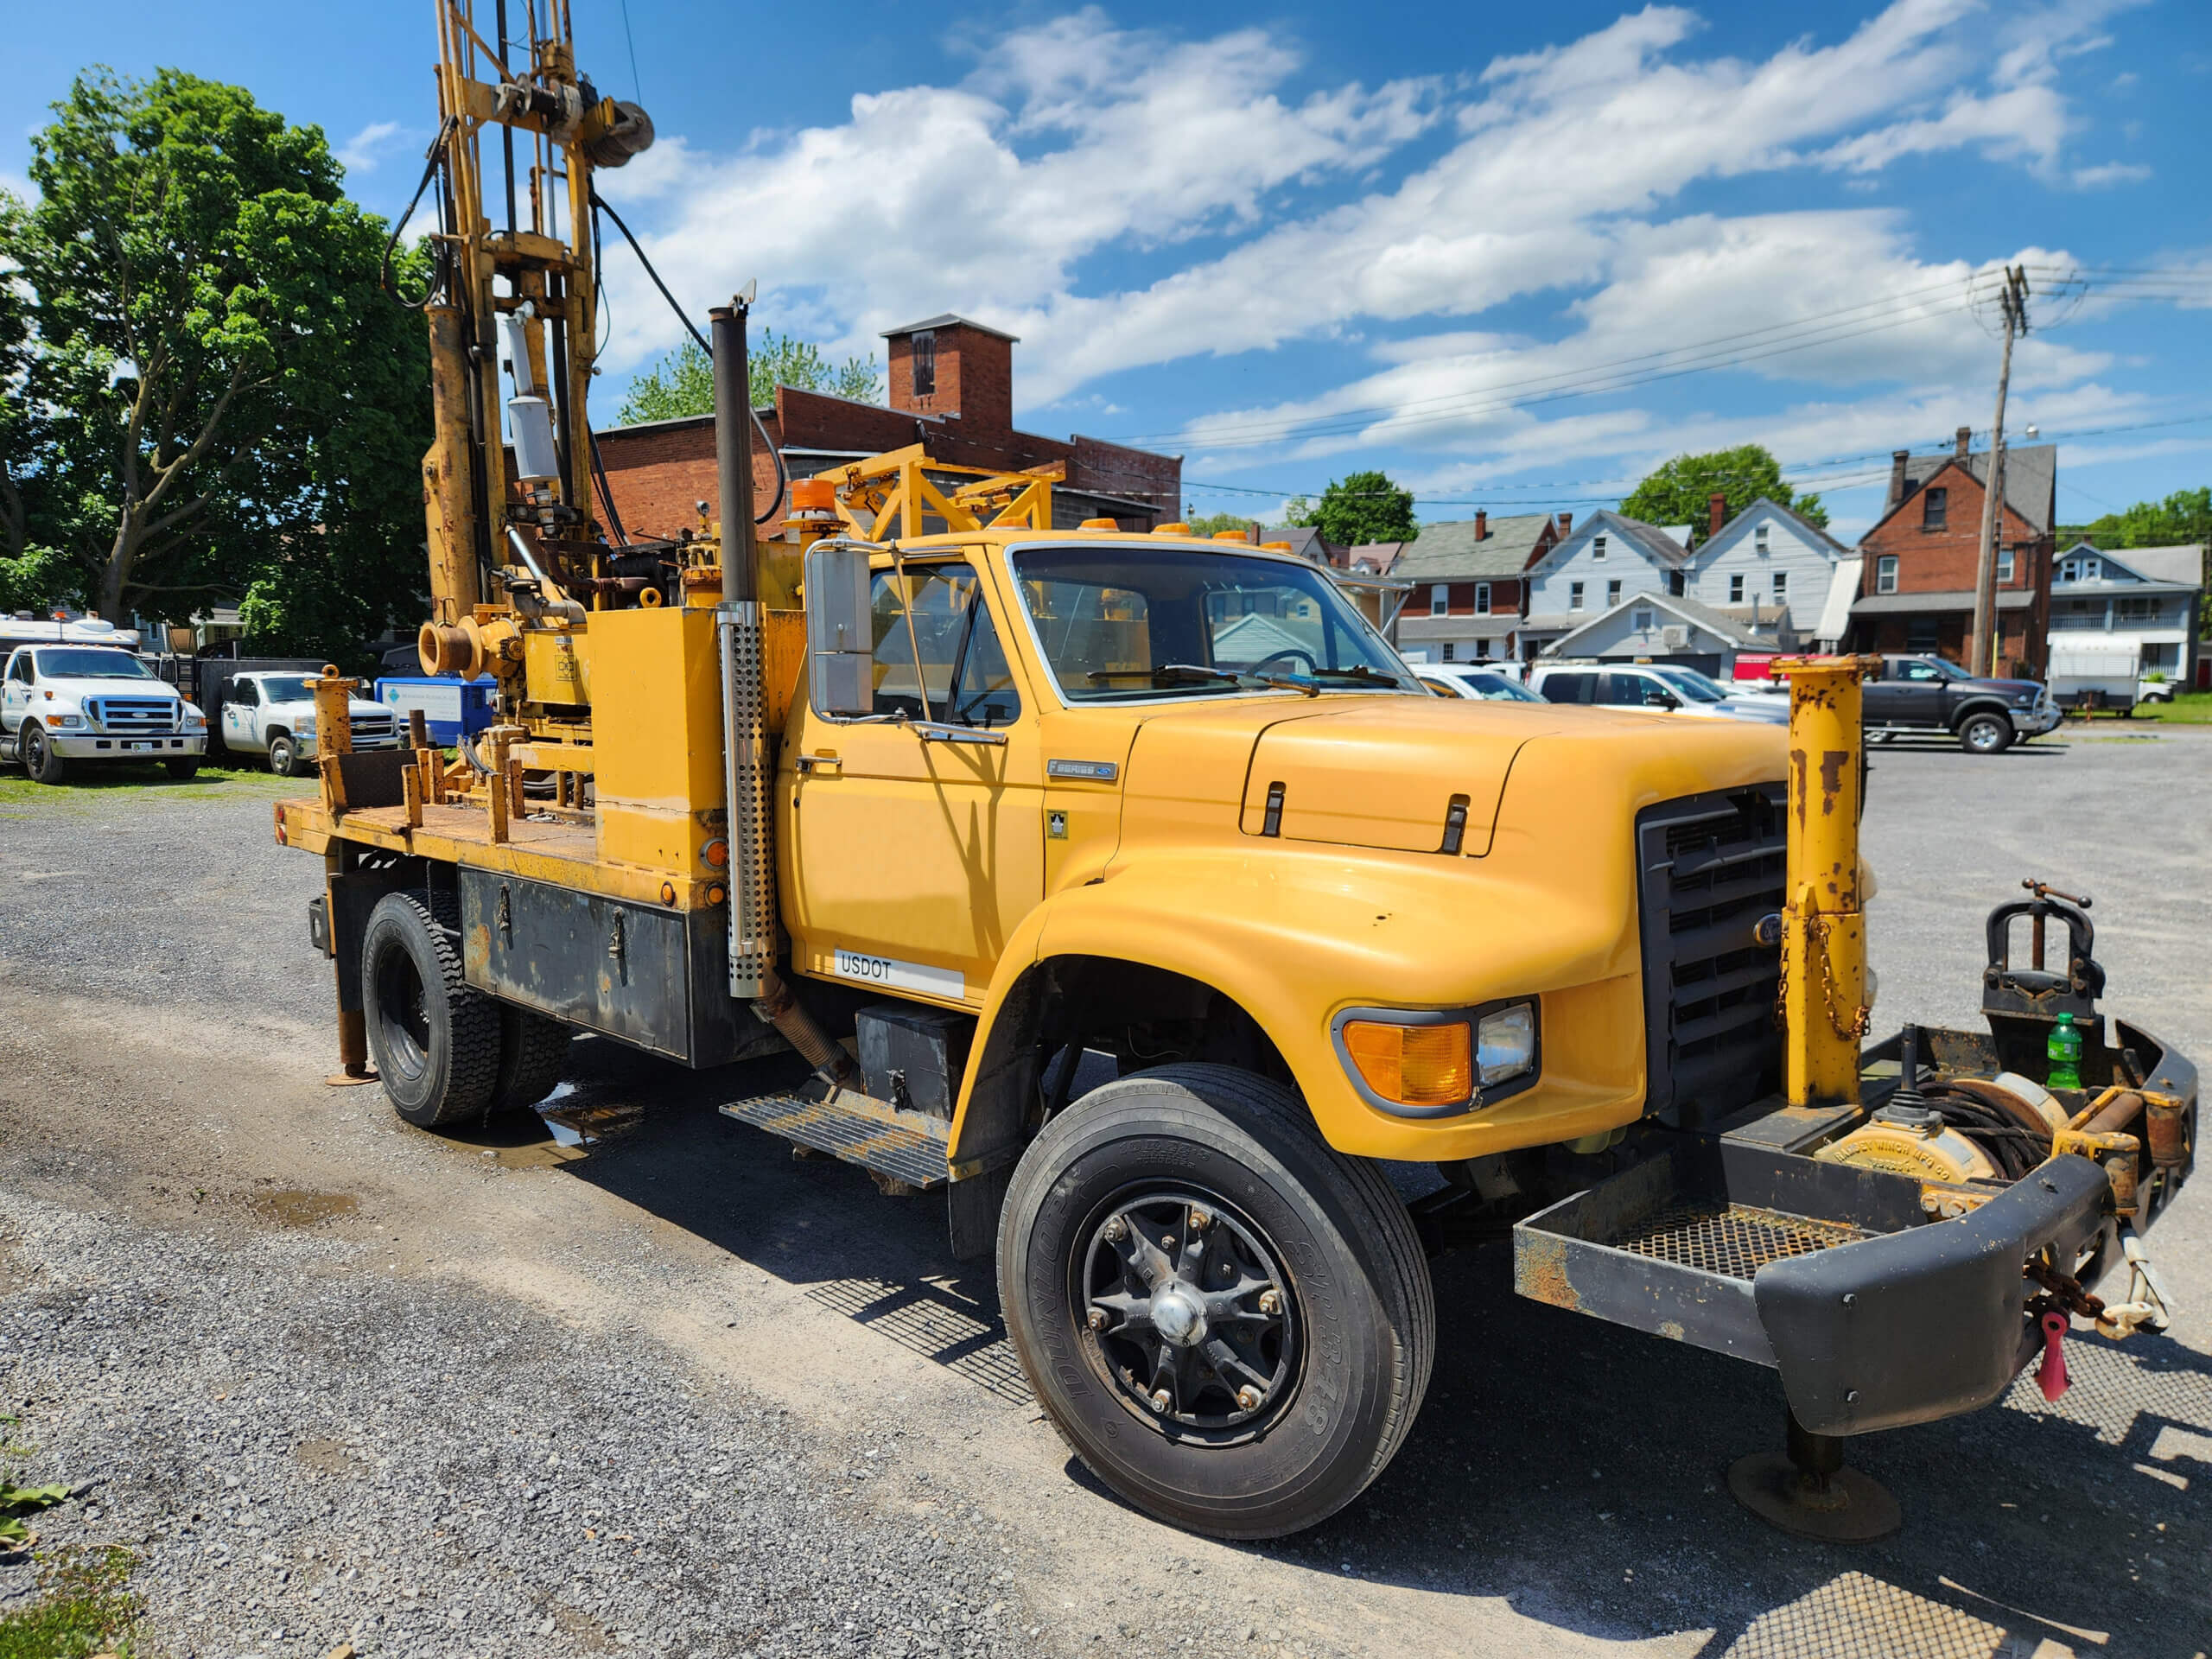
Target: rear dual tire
(446, 1051)
(1333, 1365)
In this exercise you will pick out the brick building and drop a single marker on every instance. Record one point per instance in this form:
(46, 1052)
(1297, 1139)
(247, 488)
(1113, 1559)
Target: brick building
(1917, 584)
(1467, 598)
(951, 389)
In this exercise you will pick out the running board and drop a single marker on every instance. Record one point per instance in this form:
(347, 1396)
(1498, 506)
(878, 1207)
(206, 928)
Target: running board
(899, 1146)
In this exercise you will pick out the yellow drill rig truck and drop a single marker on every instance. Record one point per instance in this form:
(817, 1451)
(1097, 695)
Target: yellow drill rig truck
(944, 796)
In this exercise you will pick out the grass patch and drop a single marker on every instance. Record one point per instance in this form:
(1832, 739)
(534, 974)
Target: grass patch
(126, 778)
(2188, 708)
(86, 1607)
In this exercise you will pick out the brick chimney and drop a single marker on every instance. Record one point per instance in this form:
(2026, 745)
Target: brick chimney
(1716, 511)
(1566, 524)
(1482, 524)
(1965, 442)
(1897, 459)
(949, 365)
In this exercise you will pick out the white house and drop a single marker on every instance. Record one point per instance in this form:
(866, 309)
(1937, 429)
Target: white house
(1668, 628)
(1766, 564)
(1593, 568)
(2138, 602)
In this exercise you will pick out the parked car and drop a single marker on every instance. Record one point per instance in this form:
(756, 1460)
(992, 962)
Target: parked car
(273, 715)
(1919, 695)
(1475, 680)
(1657, 686)
(63, 704)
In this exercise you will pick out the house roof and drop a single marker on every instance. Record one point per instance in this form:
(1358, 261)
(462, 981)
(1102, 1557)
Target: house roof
(2182, 566)
(1304, 540)
(2030, 479)
(1379, 558)
(947, 320)
(1449, 551)
(2008, 599)
(1654, 541)
(1730, 530)
(1718, 624)
(1412, 625)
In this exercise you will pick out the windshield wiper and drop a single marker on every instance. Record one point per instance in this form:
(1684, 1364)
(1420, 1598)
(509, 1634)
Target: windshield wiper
(1360, 673)
(1168, 674)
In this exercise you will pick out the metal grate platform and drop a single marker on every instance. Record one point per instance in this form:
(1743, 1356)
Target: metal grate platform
(857, 1128)
(1733, 1240)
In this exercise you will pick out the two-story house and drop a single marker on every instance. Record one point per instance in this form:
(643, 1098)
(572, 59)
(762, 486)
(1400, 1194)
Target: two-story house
(2139, 603)
(1590, 570)
(1920, 560)
(1464, 604)
(1767, 567)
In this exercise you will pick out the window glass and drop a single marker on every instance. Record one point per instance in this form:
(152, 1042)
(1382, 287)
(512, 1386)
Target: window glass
(2004, 564)
(1782, 584)
(1921, 671)
(1597, 549)
(1735, 590)
(20, 669)
(1118, 622)
(91, 664)
(1758, 538)
(1643, 619)
(1481, 599)
(1697, 687)
(1574, 595)
(1885, 574)
(1934, 505)
(285, 687)
(1568, 688)
(964, 670)
(1440, 600)
(1613, 592)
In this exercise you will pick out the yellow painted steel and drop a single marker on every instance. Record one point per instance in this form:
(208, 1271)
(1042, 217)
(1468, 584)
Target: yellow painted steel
(1823, 926)
(659, 775)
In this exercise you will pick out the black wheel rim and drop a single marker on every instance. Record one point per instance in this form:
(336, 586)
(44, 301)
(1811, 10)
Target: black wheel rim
(403, 1012)
(34, 750)
(1186, 1315)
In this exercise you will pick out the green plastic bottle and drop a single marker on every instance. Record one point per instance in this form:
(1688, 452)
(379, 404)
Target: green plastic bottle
(2064, 1052)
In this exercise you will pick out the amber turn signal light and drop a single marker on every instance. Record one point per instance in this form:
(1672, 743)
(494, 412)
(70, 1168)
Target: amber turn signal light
(1413, 1065)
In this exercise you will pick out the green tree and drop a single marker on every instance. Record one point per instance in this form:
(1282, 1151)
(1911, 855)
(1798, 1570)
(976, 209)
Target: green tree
(683, 382)
(1214, 523)
(1681, 493)
(1363, 507)
(228, 403)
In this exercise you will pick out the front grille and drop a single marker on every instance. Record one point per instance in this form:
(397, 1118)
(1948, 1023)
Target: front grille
(374, 726)
(1733, 1239)
(1709, 868)
(133, 716)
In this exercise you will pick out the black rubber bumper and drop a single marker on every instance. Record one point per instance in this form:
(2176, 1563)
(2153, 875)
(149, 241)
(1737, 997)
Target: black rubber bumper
(1926, 1323)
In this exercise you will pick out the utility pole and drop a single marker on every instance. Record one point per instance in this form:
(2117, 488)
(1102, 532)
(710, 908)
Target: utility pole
(1988, 636)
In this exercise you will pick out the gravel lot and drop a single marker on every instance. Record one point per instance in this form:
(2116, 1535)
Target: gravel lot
(333, 1379)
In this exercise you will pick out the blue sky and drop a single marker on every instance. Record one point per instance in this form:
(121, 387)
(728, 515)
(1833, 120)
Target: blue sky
(1515, 255)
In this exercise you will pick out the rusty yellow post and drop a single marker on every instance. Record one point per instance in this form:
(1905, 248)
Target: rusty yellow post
(1823, 930)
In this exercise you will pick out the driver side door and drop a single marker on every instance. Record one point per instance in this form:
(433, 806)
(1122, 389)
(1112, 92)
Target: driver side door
(15, 691)
(238, 706)
(912, 838)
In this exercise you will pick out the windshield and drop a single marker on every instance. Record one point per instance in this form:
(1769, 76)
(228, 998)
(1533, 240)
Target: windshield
(1692, 684)
(286, 688)
(91, 664)
(1499, 687)
(1119, 622)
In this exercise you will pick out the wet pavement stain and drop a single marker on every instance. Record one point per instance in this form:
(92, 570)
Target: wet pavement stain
(295, 1207)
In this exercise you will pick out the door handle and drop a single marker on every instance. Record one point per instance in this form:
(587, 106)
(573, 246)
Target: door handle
(810, 764)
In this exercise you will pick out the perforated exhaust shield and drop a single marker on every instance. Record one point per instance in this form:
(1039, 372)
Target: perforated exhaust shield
(745, 770)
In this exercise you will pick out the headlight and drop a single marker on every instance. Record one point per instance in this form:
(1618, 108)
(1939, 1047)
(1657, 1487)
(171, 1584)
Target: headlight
(68, 722)
(1429, 1064)
(194, 720)
(1505, 1043)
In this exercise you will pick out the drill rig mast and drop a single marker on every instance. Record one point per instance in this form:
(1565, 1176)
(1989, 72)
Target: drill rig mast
(515, 548)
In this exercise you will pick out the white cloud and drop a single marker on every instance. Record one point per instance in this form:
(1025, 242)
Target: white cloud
(2089, 178)
(359, 153)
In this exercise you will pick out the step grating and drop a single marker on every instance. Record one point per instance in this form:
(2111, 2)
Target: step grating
(905, 1146)
(1735, 1240)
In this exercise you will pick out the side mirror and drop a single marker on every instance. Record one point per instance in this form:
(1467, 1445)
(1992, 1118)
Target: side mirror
(1668, 700)
(840, 633)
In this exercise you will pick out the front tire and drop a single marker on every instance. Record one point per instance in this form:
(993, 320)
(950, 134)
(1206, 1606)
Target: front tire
(183, 770)
(284, 755)
(40, 761)
(1985, 734)
(1229, 1323)
(435, 1037)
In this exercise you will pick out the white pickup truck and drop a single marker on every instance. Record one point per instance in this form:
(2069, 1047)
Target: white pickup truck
(61, 704)
(272, 714)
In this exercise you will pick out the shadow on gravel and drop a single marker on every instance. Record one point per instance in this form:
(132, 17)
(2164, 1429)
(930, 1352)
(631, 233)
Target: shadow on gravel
(1569, 1468)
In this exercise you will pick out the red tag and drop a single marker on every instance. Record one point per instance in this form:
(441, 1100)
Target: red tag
(2050, 1376)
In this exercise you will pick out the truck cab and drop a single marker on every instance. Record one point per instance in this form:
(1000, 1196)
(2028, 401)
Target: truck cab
(1921, 695)
(272, 714)
(64, 705)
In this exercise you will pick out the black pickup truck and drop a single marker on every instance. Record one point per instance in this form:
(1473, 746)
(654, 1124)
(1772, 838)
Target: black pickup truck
(1919, 695)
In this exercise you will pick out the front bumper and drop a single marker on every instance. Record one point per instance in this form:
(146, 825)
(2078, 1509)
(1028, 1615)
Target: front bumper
(105, 746)
(1874, 1315)
(2034, 722)
(361, 742)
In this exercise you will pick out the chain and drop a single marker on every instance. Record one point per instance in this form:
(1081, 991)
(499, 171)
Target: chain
(2066, 1295)
(1816, 928)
